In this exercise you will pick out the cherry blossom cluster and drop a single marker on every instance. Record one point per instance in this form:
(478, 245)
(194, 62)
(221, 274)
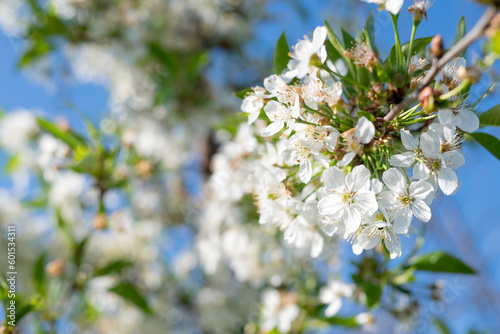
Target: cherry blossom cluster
(342, 170)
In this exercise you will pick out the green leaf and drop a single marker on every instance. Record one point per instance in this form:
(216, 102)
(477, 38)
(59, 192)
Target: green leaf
(35, 51)
(241, 94)
(440, 262)
(26, 308)
(12, 164)
(488, 141)
(365, 113)
(334, 40)
(373, 293)
(460, 34)
(441, 326)
(39, 275)
(419, 45)
(79, 252)
(490, 117)
(341, 321)
(349, 41)
(113, 267)
(369, 32)
(281, 55)
(66, 136)
(129, 292)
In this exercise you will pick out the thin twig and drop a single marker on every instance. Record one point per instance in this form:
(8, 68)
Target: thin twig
(468, 39)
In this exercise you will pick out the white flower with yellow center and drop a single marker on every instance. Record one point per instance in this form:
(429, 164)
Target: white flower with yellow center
(348, 197)
(280, 114)
(405, 200)
(298, 152)
(439, 166)
(298, 66)
(373, 232)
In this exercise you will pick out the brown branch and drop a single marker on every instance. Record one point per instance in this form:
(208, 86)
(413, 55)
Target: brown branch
(468, 39)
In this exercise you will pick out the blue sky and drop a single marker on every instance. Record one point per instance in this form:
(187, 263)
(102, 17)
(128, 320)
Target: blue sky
(466, 224)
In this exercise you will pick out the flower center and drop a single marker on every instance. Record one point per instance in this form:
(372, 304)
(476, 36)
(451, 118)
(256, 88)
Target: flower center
(347, 198)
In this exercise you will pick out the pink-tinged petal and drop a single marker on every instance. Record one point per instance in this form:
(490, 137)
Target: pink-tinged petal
(305, 171)
(420, 189)
(364, 130)
(453, 159)
(351, 219)
(395, 180)
(272, 129)
(420, 171)
(430, 145)
(467, 121)
(365, 201)
(447, 180)
(405, 159)
(358, 179)
(409, 142)
(334, 179)
(402, 220)
(331, 205)
(421, 210)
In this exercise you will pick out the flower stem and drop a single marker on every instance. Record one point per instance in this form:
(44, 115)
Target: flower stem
(399, 53)
(412, 40)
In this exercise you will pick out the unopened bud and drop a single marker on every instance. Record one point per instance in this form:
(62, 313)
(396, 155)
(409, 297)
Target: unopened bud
(55, 268)
(144, 168)
(349, 54)
(426, 98)
(437, 46)
(63, 124)
(100, 221)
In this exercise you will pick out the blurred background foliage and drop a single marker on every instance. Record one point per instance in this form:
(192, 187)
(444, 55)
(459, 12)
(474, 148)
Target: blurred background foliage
(109, 205)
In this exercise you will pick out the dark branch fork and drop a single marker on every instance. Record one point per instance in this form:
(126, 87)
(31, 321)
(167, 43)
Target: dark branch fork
(468, 39)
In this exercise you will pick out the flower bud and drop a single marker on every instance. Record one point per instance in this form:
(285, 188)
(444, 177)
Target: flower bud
(144, 168)
(100, 221)
(55, 268)
(426, 98)
(437, 46)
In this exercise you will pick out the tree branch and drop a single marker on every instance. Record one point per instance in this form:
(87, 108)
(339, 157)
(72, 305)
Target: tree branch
(468, 39)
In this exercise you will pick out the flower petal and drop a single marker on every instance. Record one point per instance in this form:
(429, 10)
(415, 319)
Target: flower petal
(421, 210)
(447, 180)
(305, 171)
(405, 159)
(272, 129)
(395, 180)
(420, 189)
(358, 179)
(333, 178)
